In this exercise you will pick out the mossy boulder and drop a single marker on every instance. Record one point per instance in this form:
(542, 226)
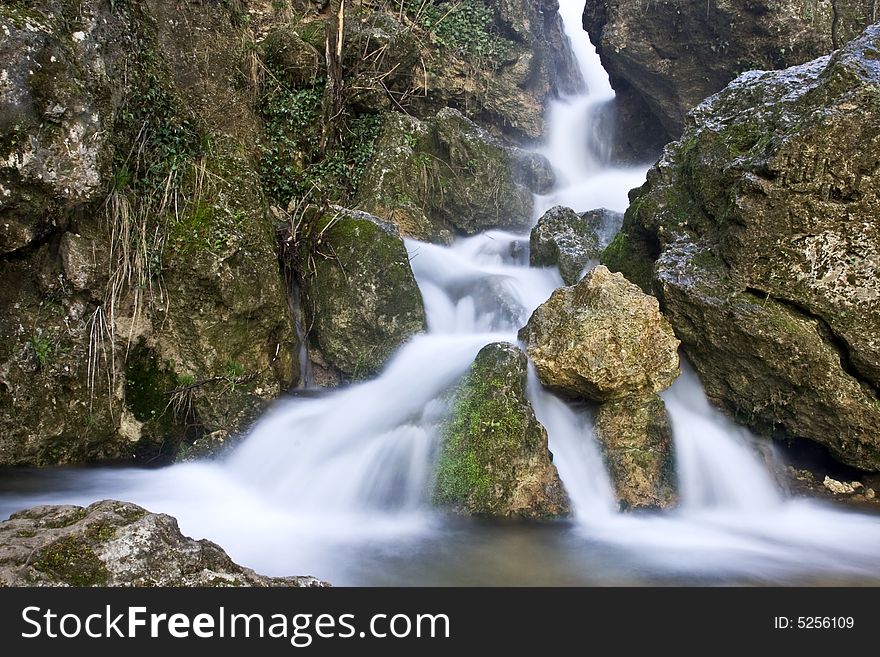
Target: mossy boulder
(494, 459)
(636, 439)
(759, 231)
(602, 339)
(113, 543)
(565, 239)
(447, 175)
(358, 289)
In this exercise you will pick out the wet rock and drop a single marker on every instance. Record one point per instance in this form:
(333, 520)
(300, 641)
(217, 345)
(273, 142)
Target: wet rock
(564, 239)
(116, 544)
(602, 339)
(636, 438)
(839, 487)
(759, 232)
(358, 289)
(494, 459)
(509, 88)
(132, 274)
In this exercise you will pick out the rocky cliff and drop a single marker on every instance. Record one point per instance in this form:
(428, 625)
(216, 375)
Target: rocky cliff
(759, 231)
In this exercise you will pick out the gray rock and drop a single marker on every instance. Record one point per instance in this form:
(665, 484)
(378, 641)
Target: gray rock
(669, 56)
(358, 289)
(114, 543)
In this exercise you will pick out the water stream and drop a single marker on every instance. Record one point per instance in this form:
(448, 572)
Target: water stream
(338, 485)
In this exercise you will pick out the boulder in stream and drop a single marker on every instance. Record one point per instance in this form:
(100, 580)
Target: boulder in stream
(494, 460)
(602, 339)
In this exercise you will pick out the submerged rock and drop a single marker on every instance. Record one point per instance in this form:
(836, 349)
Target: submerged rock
(602, 339)
(759, 231)
(358, 289)
(494, 459)
(447, 175)
(113, 543)
(636, 438)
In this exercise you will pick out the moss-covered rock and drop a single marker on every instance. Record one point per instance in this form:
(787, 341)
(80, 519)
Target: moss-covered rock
(498, 61)
(152, 262)
(760, 232)
(115, 544)
(567, 240)
(636, 438)
(447, 175)
(602, 339)
(493, 458)
(359, 293)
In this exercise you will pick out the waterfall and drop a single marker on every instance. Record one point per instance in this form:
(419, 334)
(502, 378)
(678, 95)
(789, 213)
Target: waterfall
(339, 485)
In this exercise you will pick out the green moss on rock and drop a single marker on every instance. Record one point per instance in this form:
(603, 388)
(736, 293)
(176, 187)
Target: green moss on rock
(358, 289)
(493, 457)
(71, 561)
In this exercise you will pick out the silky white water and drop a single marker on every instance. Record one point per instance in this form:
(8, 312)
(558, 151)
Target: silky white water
(338, 485)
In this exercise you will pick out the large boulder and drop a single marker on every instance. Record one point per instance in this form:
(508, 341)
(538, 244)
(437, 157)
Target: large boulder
(113, 543)
(636, 437)
(570, 241)
(668, 56)
(602, 339)
(142, 299)
(359, 294)
(447, 175)
(760, 231)
(493, 458)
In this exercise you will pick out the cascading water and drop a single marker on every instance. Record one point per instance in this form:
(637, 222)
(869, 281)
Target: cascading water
(336, 485)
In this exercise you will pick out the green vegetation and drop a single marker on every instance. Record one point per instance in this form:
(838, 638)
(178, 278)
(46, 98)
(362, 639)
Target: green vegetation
(482, 437)
(293, 164)
(42, 348)
(462, 26)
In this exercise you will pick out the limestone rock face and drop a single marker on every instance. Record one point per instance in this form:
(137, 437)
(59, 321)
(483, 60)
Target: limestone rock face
(136, 251)
(759, 231)
(494, 459)
(669, 56)
(602, 339)
(113, 543)
(358, 289)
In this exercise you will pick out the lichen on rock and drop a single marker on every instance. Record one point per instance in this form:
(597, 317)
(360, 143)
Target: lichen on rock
(359, 293)
(602, 339)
